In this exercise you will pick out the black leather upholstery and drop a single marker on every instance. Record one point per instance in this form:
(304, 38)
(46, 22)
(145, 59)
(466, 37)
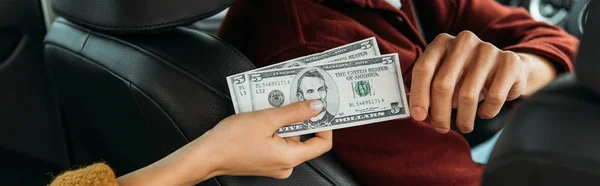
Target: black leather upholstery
(122, 91)
(135, 16)
(32, 143)
(24, 169)
(588, 66)
(132, 99)
(210, 24)
(552, 139)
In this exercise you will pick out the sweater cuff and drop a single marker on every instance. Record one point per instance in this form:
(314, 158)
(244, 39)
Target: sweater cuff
(561, 62)
(96, 174)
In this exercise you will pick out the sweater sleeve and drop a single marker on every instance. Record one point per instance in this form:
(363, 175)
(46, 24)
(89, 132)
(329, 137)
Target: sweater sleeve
(98, 174)
(513, 29)
(300, 50)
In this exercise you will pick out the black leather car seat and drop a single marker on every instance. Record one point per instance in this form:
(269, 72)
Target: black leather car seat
(553, 137)
(134, 84)
(210, 24)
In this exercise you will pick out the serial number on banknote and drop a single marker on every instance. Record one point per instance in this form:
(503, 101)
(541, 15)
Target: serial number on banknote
(272, 84)
(366, 102)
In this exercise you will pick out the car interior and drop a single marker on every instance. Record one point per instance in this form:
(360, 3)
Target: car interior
(91, 81)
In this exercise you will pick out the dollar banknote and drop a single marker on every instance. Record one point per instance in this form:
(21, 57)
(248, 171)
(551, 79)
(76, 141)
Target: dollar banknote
(354, 92)
(238, 85)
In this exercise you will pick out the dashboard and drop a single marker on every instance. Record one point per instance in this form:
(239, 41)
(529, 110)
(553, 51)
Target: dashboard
(571, 15)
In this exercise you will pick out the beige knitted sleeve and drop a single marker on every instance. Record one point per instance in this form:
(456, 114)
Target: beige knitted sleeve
(98, 174)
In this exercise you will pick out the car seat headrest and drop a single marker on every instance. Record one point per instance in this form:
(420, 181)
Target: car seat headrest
(136, 16)
(587, 67)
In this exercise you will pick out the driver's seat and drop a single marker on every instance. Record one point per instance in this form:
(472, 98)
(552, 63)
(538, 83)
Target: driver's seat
(134, 85)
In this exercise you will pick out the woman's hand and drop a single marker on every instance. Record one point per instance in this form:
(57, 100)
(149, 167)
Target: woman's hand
(242, 144)
(246, 144)
(458, 72)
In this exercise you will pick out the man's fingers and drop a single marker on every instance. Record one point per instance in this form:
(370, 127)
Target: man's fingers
(470, 91)
(422, 75)
(289, 114)
(518, 88)
(447, 77)
(507, 73)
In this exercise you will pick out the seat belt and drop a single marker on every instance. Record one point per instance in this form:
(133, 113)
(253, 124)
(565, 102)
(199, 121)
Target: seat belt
(418, 20)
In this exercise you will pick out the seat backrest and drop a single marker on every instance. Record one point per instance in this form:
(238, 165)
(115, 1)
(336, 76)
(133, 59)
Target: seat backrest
(135, 85)
(552, 138)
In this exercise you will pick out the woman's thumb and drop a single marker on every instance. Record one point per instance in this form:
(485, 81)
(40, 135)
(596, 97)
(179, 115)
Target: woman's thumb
(293, 113)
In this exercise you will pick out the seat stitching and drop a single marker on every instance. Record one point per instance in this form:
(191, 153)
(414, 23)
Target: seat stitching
(137, 103)
(321, 172)
(242, 56)
(85, 41)
(62, 14)
(162, 60)
(126, 81)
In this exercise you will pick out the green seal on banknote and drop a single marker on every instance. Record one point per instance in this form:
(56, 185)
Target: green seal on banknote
(362, 88)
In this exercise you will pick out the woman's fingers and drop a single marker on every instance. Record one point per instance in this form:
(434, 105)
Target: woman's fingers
(289, 114)
(293, 138)
(313, 147)
(282, 174)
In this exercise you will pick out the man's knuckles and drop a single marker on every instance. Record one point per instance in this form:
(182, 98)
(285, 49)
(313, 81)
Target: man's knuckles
(443, 85)
(466, 34)
(487, 48)
(465, 126)
(439, 122)
(443, 37)
(469, 96)
(423, 68)
(496, 98)
(511, 57)
(487, 113)
(467, 39)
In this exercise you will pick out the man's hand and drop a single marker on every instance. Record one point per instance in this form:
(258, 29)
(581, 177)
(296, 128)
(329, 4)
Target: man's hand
(458, 72)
